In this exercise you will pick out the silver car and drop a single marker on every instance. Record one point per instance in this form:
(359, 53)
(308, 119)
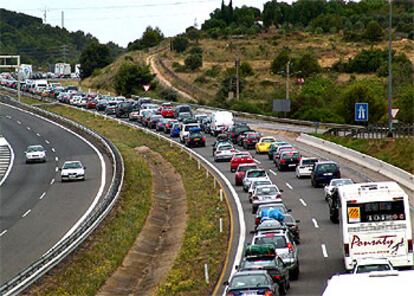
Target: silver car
(265, 194)
(35, 153)
(252, 175)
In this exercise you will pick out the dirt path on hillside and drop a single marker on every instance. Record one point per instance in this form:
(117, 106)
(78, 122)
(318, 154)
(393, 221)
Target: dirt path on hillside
(151, 257)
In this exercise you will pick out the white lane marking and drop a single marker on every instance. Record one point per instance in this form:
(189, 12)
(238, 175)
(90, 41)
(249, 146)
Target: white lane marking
(303, 202)
(11, 162)
(3, 232)
(8, 116)
(19, 122)
(256, 161)
(53, 149)
(324, 251)
(57, 158)
(43, 195)
(52, 181)
(273, 172)
(47, 142)
(28, 128)
(315, 223)
(27, 213)
(56, 169)
(288, 185)
(37, 134)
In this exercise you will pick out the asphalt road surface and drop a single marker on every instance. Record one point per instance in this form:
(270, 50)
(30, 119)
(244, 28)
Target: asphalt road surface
(36, 208)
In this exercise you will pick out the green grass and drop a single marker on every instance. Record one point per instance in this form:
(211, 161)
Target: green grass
(88, 268)
(398, 152)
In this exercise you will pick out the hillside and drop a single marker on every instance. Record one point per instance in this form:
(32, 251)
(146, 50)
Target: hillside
(41, 44)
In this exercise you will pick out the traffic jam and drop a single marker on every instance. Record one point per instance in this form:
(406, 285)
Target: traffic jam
(374, 218)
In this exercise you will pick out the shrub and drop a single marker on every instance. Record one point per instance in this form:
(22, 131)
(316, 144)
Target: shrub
(214, 71)
(373, 32)
(279, 63)
(196, 50)
(319, 114)
(131, 77)
(406, 104)
(193, 62)
(169, 94)
(179, 44)
(201, 79)
(246, 69)
(307, 64)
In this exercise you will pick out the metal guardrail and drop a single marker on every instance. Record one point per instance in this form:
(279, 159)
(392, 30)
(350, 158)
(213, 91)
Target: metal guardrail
(50, 259)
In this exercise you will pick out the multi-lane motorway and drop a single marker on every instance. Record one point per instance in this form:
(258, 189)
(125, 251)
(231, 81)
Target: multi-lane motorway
(36, 208)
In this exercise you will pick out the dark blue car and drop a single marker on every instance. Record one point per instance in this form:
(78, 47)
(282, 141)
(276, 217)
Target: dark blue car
(175, 130)
(323, 172)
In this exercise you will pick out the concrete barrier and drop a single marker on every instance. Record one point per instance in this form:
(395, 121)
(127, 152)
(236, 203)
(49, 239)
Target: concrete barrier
(403, 177)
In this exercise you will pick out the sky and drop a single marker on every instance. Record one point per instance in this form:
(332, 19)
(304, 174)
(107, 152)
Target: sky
(123, 21)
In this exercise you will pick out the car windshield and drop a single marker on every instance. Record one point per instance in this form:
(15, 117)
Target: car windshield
(280, 207)
(278, 241)
(242, 281)
(290, 155)
(187, 128)
(241, 155)
(268, 140)
(256, 174)
(327, 168)
(176, 125)
(289, 219)
(341, 182)
(372, 267)
(251, 136)
(196, 135)
(72, 165)
(225, 147)
(266, 190)
(35, 148)
(245, 168)
(309, 162)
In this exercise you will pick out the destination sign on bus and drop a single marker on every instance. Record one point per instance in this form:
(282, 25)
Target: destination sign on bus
(376, 211)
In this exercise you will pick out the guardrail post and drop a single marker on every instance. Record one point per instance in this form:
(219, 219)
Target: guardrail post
(214, 182)
(221, 194)
(199, 165)
(221, 225)
(206, 173)
(206, 274)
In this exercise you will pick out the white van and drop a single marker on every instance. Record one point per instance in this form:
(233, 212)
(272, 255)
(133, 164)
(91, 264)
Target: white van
(220, 121)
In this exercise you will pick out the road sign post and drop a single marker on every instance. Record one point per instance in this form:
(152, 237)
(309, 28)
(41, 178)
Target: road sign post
(361, 112)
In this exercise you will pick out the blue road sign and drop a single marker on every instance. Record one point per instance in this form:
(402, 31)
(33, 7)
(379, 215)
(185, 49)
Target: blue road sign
(361, 111)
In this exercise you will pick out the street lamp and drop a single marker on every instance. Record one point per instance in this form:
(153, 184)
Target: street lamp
(390, 69)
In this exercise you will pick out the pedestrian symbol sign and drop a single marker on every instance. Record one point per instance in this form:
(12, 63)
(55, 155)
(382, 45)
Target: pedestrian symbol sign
(361, 111)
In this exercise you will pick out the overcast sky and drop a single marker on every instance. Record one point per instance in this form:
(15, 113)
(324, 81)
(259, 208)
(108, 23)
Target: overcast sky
(124, 20)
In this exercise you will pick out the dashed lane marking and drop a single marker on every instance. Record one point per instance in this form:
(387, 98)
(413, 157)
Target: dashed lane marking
(28, 128)
(47, 142)
(315, 223)
(8, 116)
(288, 185)
(56, 169)
(27, 213)
(53, 149)
(324, 251)
(43, 195)
(37, 134)
(303, 202)
(57, 158)
(52, 181)
(3, 232)
(273, 172)
(19, 122)
(256, 161)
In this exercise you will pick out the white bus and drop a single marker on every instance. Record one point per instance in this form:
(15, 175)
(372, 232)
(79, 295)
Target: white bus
(375, 223)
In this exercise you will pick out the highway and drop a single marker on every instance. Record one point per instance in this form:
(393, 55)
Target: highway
(37, 210)
(320, 251)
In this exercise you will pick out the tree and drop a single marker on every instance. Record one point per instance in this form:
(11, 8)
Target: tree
(131, 77)
(193, 34)
(369, 91)
(246, 69)
(279, 63)
(406, 104)
(150, 38)
(94, 56)
(179, 44)
(193, 62)
(307, 64)
(374, 32)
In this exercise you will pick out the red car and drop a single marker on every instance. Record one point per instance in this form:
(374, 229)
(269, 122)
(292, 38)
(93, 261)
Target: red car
(250, 140)
(239, 158)
(167, 111)
(91, 104)
(241, 171)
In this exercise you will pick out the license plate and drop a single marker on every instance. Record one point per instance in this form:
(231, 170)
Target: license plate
(72, 176)
(196, 140)
(328, 174)
(292, 165)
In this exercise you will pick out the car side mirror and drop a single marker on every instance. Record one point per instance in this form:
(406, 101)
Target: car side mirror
(289, 210)
(84, 168)
(297, 221)
(236, 267)
(281, 190)
(60, 169)
(252, 232)
(226, 283)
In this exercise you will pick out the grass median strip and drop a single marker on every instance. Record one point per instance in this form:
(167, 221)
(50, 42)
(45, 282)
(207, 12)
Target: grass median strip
(87, 269)
(398, 152)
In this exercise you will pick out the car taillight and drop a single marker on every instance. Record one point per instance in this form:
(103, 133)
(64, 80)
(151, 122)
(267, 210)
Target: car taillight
(282, 161)
(277, 277)
(203, 139)
(255, 197)
(268, 293)
(257, 221)
(346, 250)
(278, 195)
(410, 246)
(290, 246)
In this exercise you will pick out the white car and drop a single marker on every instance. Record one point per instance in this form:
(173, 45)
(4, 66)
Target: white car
(265, 194)
(35, 153)
(252, 175)
(72, 171)
(224, 152)
(305, 166)
(185, 130)
(258, 182)
(372, 264)
(328, 189)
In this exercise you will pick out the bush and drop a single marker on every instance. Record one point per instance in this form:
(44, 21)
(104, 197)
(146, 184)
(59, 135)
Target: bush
(179, 44)
(245, 106)
(374, 32)
(178, 67)
(214, 71)
(319, 114)
(169, 94)
(279, 63)
(193, 62)
(130, 78)
(201, 79)
(246, 69)
(94, 56)
(406, 104)
(307, 64)
(196, 50)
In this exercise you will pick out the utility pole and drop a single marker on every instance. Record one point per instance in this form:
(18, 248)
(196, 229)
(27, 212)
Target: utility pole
(287, 79)
(390, 70)
(237, 79)
(45, 15)
(62, 18)
(64, 52)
